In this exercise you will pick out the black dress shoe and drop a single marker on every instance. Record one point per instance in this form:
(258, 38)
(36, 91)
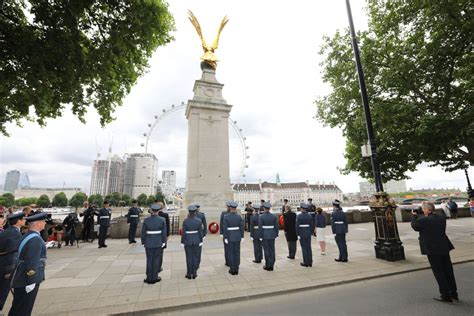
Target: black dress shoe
(443, 299)
(130, 242)
(265, 268)
(344, 260)
(303, 265)
(134, 241)
(310, 265)
(195, 276)
(455, 296)
(338, 260)
(257, 261)
(161, 269)
(269, 269)
(105, 246)
(290, 257)
(187, 277)
(157, 280)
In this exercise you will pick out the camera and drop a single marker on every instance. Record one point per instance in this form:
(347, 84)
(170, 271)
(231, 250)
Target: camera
(417, 210)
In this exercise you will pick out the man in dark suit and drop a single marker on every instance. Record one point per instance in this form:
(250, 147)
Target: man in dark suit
(9, 241)
(289, 225)
(435, 244)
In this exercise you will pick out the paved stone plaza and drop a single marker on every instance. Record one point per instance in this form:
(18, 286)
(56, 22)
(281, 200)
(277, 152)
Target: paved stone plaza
(96, 281)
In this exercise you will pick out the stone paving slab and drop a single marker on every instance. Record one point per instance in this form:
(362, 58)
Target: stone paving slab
(92, 281)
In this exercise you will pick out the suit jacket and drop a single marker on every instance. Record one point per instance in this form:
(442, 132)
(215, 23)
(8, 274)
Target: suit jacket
(233, 227)
(31, 262)
(202, 217)
(268, 226)
(167, 221)
(304, 225)
(9, 242)
(133, 215)
(290, 226)
(339, 222)
(192, 232)
(154, 233)
(432, 229)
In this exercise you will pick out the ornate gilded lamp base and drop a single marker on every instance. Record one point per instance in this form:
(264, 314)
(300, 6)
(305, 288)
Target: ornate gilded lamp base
(388, 245)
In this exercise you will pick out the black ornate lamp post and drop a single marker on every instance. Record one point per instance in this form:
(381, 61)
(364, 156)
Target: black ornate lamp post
(388, 245)
(470, 192)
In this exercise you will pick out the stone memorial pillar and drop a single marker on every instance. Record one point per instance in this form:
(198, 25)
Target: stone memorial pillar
(207, 168)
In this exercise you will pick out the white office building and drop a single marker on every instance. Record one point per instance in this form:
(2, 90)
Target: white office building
(141, 175)
(168, 182)
(107, 176)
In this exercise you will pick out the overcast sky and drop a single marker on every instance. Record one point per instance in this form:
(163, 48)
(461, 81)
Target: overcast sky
(270, 68)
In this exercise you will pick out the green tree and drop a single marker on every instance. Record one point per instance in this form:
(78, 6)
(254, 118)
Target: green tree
(60, 200)
(86, 53)
(160, 197)
(418, 62)
(126, 199)
(43, 201)
(142, 199)
(33, 200)
(23, 202)
(115, 198)
(9, 199)
(96, 199)
(77, 200)
(150, 200)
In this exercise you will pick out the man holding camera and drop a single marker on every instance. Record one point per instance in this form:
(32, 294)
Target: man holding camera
(436, 246)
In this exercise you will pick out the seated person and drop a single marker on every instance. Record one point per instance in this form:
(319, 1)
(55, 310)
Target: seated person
(55, 236)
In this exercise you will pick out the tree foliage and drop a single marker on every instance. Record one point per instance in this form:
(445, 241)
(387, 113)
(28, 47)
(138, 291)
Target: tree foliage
(126, 199)
(419, 63)
(8, 199)
(60, 200)
(43, 201)
(78, 199)
(96, 199)
(142, 199)
(81, 53)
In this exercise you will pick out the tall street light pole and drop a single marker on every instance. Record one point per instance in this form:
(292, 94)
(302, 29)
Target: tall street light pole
(387, 245)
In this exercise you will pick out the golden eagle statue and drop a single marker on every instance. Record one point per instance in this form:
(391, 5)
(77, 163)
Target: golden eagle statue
(208, 57)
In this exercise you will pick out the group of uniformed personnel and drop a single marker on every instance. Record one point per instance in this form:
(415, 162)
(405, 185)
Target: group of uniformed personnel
(22, 261)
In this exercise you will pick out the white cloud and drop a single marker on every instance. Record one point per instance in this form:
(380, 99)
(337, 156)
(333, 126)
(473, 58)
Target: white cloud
(270, 68)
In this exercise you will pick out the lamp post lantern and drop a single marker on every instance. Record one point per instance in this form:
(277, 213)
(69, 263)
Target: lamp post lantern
(388, 245)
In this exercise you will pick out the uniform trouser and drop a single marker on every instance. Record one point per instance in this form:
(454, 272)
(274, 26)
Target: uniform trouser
(444, 274)
(4, 287)
(132, 231)
(291, 249)
(153, 265)
(257, 249)
(305, 243)
(226, 253)
(102, 234)
(70, 236)
(269, 251)
(199, 257)
(341, 244)
(234, 255)
(23, 302)
(192, 258)
(454, 214)
(86, 231)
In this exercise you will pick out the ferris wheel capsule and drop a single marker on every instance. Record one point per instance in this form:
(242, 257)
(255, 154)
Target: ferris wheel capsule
(144, 134)
(142, 144)
(172, 105)
(156, 116)
(235, 122)
(149, 125)
(164, 111)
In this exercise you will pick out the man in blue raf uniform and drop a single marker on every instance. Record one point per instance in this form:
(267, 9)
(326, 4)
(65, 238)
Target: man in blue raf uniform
(191, 239)
(233, 235)
(29, 272)
(221, 231)
(104, 222)
(340, 229)
(154, 239)
(435, 244)
(255, 235)
(304, 230)
(268, 228)
(133, 218)
(9, 241)
(202, 217)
